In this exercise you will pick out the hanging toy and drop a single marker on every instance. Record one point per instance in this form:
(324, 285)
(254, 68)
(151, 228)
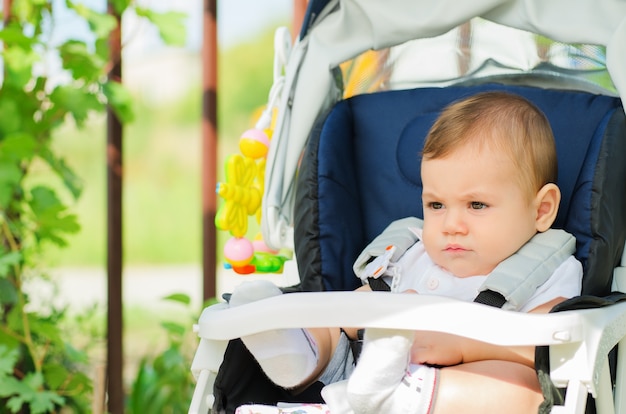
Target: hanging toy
(243, 187)
(243, 199)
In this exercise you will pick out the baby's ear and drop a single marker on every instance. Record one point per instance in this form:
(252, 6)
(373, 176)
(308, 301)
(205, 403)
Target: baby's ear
(547, 204)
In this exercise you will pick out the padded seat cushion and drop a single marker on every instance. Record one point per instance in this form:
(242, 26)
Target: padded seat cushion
(361, 170)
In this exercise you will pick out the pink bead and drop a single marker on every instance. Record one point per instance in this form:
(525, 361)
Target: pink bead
(238, 251)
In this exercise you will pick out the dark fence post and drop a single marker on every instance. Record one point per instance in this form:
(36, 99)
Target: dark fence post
(209, 148)
(115, 349)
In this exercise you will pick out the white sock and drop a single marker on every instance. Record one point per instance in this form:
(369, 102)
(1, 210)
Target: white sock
(287, 356)
(384, 381)
(334, 396)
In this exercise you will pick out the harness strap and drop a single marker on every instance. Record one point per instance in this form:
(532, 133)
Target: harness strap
(378, 284)
(397, 234)
(490, 298)
(517, 278)
(356, 345)
(509, 286)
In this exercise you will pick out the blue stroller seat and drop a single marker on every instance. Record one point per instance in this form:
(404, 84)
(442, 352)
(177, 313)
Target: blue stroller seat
(361, 171)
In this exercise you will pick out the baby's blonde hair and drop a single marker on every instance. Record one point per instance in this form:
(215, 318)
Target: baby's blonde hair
(503, 122)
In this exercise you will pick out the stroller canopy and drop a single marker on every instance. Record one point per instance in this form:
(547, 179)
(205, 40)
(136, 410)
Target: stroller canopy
(338, 30)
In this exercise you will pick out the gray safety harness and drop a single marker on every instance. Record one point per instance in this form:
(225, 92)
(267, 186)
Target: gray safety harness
(508, 286)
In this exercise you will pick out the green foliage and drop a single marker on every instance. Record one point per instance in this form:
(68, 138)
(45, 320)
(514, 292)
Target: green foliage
(169, 24)
(40, 371)
(163, 383)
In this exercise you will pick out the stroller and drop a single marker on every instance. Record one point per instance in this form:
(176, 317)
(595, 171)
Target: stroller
(337, 165)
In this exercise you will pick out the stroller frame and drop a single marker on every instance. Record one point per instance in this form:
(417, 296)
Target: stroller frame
(579, 340)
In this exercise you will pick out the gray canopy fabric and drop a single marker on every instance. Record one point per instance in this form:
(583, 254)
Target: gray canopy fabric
(347, 28)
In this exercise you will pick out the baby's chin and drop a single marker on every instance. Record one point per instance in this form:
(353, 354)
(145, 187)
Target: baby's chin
(462, 271)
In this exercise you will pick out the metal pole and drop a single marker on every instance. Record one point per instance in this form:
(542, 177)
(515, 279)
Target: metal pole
(6, 10)
(209, 148)
(115, 352)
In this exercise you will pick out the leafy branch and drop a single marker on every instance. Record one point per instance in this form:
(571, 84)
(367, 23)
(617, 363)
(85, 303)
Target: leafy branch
(40, 371)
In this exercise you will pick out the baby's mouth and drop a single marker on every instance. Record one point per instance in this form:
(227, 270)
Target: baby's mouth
(455, 248)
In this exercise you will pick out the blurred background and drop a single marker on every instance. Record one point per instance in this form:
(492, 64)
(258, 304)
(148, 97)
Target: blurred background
(162, 147)
(162, 211)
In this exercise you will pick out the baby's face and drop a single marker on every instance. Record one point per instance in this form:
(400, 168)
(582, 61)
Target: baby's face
(475, 212)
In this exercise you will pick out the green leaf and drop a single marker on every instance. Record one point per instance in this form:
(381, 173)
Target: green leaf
(102, 49)
(28, 391)
(6, 193)
(80, 61)
(14, 35)
(44, 402)
(10, 177)
(23, 10)
(71, 181)
(34, 380)
(169, 361)
(173, 328)
(10, 121)
(78, 381)
(179, 297)
(7, 261)
(120, 6)
(18, 64)
(76, 101)
(55, 375)
(147, 395)
(171, 25)
(15, 404)
(10, 172)
(43, 200)
(14, 318)
(8, 359)
(45, 329)
(9, 386)
(17, 146)
(120, 100)
(8, 293)
(75, 355)
(51, 217)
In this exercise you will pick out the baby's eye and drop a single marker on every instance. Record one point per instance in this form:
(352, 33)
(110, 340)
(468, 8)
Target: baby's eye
(477, 205)
(435, 205)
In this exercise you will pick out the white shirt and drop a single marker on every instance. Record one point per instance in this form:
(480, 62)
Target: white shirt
(415, 270)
